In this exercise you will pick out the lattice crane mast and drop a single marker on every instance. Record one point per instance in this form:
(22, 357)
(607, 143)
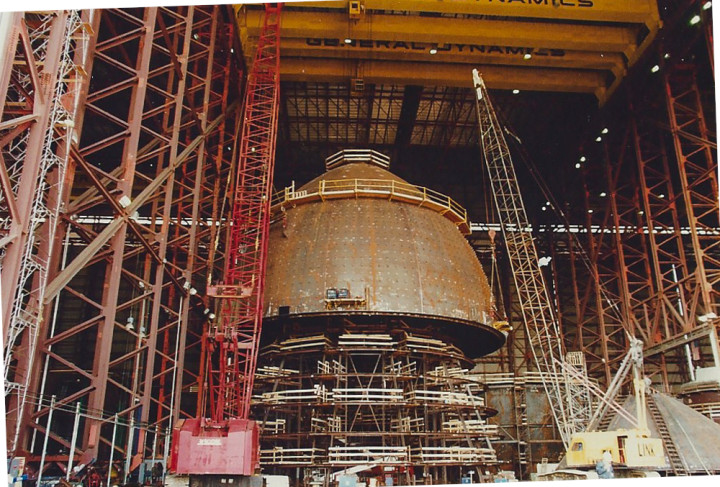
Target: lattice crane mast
(569, 399)
(222, 440)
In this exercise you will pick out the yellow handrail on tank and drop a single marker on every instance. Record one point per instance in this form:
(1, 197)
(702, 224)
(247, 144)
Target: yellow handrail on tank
(374, 188)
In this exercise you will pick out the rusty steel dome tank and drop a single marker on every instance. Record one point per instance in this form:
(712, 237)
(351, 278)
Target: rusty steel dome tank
(360, 241)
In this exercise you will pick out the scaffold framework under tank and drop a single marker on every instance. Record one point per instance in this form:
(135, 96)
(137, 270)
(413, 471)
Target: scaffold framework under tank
(372, 394)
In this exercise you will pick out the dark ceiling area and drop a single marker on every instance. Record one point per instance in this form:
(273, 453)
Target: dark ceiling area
(430, 132)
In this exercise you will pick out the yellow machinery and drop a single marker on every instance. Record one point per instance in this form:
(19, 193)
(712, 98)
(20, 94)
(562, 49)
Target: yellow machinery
(633, 452)
(629, 448)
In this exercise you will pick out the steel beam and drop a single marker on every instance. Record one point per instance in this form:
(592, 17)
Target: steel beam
(162, 330)
(106, 325)
(452, 54)
(387, 72)
(395, 29)
(676, 341)
(635, 11)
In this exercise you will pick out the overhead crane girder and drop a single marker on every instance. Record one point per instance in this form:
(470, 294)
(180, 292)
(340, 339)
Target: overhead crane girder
(387, 72)
(412, 28)
(453, 53)
(624, 11)
(581, 40)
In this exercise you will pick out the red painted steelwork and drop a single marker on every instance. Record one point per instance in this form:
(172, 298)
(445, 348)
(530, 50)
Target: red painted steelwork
(227, 442)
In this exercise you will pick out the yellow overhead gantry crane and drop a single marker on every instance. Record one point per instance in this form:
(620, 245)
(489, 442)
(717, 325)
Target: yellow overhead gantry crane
(579, 46)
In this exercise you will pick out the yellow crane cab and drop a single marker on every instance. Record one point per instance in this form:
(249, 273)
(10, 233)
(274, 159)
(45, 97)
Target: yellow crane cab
(633, 451)
(631, 448)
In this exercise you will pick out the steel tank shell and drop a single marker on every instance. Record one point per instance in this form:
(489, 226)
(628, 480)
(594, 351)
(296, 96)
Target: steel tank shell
(393, 257)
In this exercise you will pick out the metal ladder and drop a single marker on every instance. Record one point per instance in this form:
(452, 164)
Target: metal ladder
(676, 461)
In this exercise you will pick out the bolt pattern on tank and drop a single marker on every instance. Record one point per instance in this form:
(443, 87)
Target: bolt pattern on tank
(375, 306)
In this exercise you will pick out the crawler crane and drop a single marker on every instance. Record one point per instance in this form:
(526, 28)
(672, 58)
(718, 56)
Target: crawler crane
(631, 449)
(567, 388)
(221, 445)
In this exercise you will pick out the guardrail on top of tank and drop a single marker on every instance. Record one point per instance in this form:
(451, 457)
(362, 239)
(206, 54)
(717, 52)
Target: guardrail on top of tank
(357, 155)
(375, 188)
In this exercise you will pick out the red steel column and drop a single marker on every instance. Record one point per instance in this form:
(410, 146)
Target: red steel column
(695, 154)
(78, 58)
(665, 310)
(113, 271)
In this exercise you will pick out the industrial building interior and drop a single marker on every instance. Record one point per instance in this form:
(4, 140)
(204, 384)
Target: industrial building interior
(461, 277)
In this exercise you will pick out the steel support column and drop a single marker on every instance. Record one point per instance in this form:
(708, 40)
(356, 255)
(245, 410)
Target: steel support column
(695, 152)
(41, 81)
(696, 156)
(601, 319)
(663, 312)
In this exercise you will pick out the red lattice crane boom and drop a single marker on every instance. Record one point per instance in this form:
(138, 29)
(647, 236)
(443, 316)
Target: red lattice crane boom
(222, 440)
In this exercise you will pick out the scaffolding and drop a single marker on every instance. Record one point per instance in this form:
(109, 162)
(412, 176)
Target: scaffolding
(353, 397)
(45, 76)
